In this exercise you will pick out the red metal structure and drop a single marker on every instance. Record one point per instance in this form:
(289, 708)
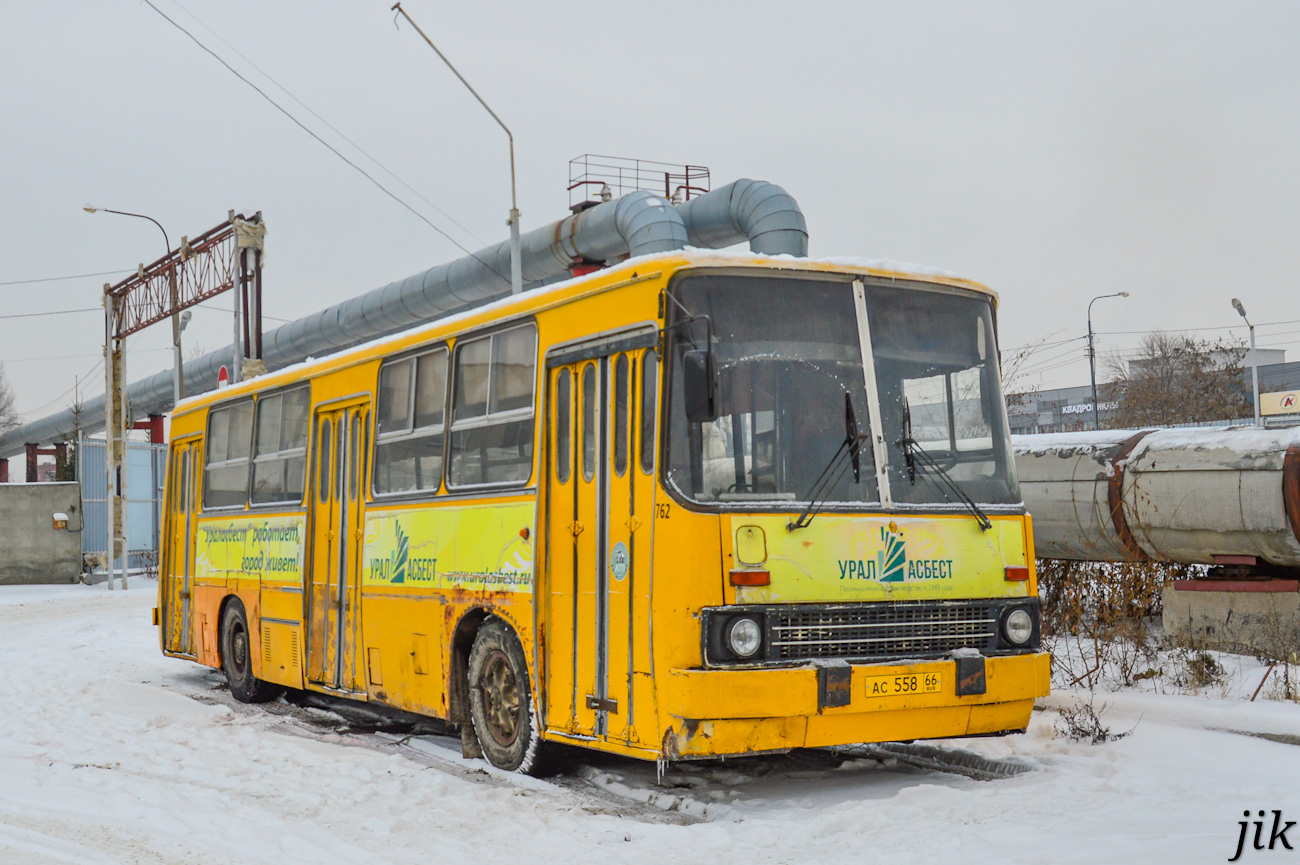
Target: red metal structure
(201, 269)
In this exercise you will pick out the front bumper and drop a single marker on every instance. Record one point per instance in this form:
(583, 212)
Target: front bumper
(718, 713)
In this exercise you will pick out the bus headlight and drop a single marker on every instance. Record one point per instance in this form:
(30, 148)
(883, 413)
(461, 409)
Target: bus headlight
(1018, 627)
(744, 636)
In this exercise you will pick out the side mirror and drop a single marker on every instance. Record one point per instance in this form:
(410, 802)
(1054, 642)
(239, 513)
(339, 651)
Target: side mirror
(698, 386)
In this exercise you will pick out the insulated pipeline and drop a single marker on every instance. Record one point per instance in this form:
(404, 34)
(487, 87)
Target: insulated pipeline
(1191, 496)
(640, 223)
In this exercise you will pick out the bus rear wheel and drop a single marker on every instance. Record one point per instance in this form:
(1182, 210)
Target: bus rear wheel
(500, 704)
(237, 660)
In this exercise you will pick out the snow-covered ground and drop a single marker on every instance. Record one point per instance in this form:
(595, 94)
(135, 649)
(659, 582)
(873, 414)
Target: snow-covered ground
(110, 753)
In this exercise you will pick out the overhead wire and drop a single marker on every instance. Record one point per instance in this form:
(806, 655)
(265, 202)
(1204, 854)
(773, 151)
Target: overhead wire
(329, 125)
(89, 373)
(1033, 346)
(1038, 364)
(53, 312)
(62, 278)
(72, 356)
(326, 144)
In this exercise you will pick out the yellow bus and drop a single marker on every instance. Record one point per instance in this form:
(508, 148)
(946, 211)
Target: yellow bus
(692, 505)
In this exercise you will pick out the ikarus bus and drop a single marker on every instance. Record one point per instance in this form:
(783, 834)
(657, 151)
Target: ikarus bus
(693, 505)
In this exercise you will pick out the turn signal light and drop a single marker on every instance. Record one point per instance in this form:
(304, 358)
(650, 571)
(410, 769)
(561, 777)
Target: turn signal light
(751, 578)
(1017, 572)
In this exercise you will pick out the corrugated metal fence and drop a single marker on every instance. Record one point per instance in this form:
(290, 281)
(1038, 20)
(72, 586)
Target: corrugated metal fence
(146, 465)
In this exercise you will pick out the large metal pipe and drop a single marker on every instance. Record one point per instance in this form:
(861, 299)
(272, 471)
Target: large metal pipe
(1191, 496)
(754, 210)
(640, 223)
(637, 224)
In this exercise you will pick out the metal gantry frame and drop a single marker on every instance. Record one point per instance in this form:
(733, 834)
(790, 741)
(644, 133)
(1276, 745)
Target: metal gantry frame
(227, 256)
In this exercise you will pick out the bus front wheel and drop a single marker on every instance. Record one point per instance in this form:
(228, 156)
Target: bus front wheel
(237, 660)
(500, 707)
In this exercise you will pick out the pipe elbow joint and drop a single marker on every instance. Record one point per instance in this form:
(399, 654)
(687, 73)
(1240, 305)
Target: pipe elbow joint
(754, 210)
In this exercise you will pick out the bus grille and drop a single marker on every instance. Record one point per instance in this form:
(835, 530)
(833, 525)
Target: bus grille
(881, 630)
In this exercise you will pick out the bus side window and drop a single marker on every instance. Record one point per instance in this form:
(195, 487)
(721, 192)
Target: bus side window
(230, 438)
(620, 415)
(588, 422)
(323, 459)
(409, 442)
(492, 408)
(649, 390)
(354, 459)
(564, 426)
(280, 459)
(182, 497)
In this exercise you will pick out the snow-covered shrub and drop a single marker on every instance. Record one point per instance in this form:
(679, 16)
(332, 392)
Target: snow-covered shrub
(1099, 619)
(1083, 723)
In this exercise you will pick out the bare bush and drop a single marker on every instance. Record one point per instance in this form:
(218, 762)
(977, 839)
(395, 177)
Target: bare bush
(1174, 378)
(1194, 670)
(1083, 723)
(1098, 619)
(8, 409)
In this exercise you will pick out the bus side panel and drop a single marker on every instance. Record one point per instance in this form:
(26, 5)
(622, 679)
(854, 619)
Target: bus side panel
(687, 557)
(208, 597)
(401, 634)
(424, 567)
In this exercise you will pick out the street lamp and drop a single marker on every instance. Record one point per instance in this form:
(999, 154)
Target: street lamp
(1254, 363)
(516, 266)
(178, 375)
(1092, 354)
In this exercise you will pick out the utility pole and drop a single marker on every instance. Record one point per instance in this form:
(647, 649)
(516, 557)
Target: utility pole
(114, 441)
(1254, 363)
(116, 421)
(516, 266)
(1092, 354)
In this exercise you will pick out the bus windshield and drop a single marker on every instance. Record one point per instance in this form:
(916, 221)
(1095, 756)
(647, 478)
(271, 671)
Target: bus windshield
(787, 352)
(940, 389)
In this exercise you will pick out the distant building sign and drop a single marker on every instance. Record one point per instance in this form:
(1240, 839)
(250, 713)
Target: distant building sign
(1086, 407)
(1282, 402)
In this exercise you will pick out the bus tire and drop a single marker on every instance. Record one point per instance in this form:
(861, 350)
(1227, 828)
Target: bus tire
(500, 704)
(237, 658)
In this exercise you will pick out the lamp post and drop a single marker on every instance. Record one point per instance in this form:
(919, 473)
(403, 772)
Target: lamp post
(516, 266)
(1254, 362)
(1092, 354)
(178, 374)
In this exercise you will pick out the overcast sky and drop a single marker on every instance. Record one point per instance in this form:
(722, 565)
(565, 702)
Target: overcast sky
(1053, 151)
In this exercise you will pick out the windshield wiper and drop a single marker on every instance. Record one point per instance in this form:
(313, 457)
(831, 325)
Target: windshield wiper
(834, 471)
(914, 455)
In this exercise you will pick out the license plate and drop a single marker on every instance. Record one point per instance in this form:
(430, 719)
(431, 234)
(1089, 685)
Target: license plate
(904, 683)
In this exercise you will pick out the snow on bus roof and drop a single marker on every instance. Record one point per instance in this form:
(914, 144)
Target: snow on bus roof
(882, 266)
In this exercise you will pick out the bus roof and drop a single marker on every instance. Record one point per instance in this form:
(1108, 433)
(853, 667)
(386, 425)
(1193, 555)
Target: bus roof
(576, 287)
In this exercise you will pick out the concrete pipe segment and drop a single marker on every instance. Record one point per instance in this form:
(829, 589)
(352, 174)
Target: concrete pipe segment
(1169, 495)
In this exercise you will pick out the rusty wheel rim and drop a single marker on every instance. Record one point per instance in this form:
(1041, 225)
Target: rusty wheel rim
(238, 651)
(501, 699)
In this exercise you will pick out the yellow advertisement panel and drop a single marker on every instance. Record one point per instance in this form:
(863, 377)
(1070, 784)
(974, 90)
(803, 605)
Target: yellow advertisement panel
(265, 548)
(471, 547)
(841, 558)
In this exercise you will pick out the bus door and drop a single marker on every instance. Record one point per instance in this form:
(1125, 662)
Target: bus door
(333, 590)
(179, 565)
(592, 524)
